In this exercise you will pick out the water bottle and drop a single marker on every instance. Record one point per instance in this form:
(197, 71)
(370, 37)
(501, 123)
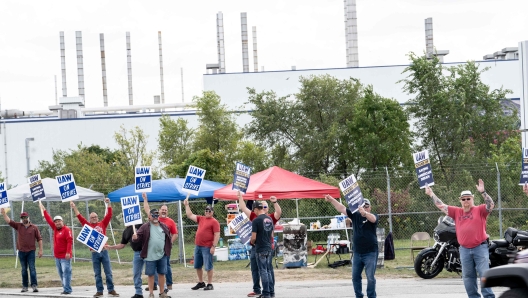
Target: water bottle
(221, 242)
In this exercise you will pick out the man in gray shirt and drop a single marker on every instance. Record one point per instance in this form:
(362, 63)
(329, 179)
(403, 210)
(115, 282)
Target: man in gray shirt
(156, 247)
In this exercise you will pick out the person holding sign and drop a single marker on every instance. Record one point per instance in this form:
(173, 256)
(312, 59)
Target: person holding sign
(137, 261)
(155, 249)
(174, 235)
(275, 216)
(206, 239)
(261, 235)
(470, 223)
(364, 244)
(62, 248)
(101, 258)
(27, 234)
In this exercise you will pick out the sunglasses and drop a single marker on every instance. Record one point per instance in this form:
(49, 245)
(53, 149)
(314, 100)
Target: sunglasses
(208, 210)
(265, 207)
(23, 217)
(155, 215)
(465, 199)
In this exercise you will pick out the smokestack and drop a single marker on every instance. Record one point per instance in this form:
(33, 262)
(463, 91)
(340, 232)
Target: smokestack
(351, 33)
(103, 68)
(255, 59)
(80, 70)
(429, 46)
(129, 68)
(245, 54)
(63, 64)
(55, 89)
(161, 68)
(220, 41)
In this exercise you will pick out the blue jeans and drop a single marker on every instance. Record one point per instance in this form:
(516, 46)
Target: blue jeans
(203, 256)
(27, 259)
(104, 259)
(65, 273)
(368, 261)
(168, 276)
(475, 260)
(153, 268)
(256, 276)
(137, 266)
(264, 269)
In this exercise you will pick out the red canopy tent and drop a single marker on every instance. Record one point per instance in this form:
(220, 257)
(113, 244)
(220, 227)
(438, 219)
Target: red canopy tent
(280, 183)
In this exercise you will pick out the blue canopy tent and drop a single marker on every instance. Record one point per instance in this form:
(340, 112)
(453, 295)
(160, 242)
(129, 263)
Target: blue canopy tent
(170, 190)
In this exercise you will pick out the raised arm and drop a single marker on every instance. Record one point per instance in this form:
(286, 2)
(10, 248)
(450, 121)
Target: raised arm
(146, 206)
(47, 217)
(438, 203)
(81, 218)
(6, 218)
(108, 215)
(188, 211)
(338, 206)
(242, 205)
(277, 207)
(487, 199)
(72, 204)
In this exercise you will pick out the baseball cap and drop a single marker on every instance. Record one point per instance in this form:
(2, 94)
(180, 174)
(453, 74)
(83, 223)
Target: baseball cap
(466, 193)
(208, 207)
(366, 202)
(257, 205)
(58, 217)
(24, 214)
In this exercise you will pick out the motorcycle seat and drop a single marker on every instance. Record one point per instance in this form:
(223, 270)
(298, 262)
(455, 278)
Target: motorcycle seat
(499, 243)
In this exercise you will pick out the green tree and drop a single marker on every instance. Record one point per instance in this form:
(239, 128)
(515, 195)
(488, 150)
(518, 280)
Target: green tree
(213, 162)
(133, 151)
(175, 140)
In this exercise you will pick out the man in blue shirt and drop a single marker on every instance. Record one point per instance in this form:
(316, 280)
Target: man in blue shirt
(364, 245)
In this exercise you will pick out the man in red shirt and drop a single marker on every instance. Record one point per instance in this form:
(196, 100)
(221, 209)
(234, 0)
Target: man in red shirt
(27, 234)
(164, 218)
(275, 216)
(206, 239)
(62, 248)
(101, 258)
(470, 223)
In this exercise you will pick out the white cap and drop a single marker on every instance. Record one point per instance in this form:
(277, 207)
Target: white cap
(58, 217)
(466, 193)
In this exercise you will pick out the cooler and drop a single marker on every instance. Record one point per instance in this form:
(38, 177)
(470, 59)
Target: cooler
(221, 254)
(294, 253)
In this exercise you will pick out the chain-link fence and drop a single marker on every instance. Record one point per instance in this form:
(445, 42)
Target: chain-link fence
(404, 210)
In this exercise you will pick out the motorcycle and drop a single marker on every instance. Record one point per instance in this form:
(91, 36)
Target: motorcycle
(445, 252)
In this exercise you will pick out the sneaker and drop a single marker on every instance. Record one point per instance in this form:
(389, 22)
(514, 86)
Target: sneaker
(113, 293)
(199, 286)
(169, 287)
(98, 294)
(137, 296)
(34, 287)
(155, 288)
(65, 293)
(164, 295)
(253, 294)
(209, 287)
(151, 295)
(166, 290)
(24, 289)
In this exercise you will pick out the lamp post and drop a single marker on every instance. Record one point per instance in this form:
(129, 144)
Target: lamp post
(27, 153)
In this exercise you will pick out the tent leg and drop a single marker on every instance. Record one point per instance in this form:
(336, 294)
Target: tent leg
(73, 233)
(297, 207)
(13, 234)
(181, 244)
(113, 237)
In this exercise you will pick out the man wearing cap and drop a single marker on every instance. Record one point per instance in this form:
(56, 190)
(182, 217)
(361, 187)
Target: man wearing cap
(470, 223)
(261, 235)
(164, 218)
(364, 245)
(27, 234)
(155, 249)
(62, 248)
(206, 239)
(275, 216)
(137, 261)
(101, 258)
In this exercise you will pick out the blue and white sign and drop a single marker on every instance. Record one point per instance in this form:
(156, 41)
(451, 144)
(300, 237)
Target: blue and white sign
(143, 179)
(67, 188)
(352, 193)
(131, 210)
(524, 168)
(36, 188)
(423, 168)
(193, 180)
(4, 201)
(242, 227)
(241, 179)
(91, 238)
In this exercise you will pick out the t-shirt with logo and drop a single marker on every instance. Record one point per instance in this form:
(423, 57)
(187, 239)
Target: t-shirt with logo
(263, 226)
(470, 226)
(364, 239)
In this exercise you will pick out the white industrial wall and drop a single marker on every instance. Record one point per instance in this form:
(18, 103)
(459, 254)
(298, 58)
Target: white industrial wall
(232, 86)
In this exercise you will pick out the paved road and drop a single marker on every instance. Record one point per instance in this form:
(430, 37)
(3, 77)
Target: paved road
(393, 288)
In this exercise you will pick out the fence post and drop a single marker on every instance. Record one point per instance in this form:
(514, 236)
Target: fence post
(50, 230)
(389, 199)
(13, 233)
(499, 199)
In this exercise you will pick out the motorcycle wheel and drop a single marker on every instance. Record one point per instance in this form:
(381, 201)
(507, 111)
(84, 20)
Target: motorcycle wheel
(515, 293)
(422, 264)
